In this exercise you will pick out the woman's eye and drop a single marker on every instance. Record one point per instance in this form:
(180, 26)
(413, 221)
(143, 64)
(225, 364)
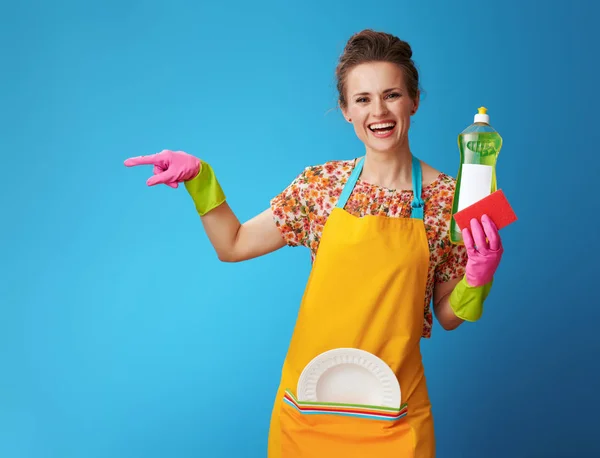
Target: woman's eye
(393, 95)
(361, 100)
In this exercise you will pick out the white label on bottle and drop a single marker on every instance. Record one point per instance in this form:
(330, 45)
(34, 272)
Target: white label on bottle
(475, 184)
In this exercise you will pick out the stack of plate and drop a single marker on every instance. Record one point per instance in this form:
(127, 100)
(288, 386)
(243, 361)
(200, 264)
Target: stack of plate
(349, 376)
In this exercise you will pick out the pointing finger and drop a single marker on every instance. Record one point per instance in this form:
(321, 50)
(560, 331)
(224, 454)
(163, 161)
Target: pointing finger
(152, 159)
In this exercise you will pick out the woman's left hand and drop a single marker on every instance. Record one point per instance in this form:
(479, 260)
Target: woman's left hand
(484, 255)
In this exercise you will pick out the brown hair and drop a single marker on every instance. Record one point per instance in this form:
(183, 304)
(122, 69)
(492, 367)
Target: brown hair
(371, 46)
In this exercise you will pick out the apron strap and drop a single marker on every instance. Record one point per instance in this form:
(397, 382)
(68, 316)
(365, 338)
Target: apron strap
(349, 186)
(417, 203)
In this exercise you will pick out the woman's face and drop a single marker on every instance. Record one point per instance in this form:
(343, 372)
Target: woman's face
(378, 105)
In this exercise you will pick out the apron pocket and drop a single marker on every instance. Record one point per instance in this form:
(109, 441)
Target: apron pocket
(313, 429)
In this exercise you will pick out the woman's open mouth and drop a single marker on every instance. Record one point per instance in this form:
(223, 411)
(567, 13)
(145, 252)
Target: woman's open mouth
(382, 129)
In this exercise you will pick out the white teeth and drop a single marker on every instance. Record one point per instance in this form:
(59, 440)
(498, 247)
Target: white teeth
(382, 125)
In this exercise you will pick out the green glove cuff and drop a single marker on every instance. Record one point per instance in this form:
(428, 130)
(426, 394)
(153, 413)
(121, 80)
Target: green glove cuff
(205, 190)
(467, 301)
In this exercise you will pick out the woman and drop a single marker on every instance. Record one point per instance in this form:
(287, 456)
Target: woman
(378, 231)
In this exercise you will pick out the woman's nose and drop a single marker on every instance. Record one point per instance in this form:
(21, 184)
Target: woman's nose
(379, 108)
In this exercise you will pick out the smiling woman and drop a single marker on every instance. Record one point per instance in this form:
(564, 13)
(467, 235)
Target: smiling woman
(377, 227)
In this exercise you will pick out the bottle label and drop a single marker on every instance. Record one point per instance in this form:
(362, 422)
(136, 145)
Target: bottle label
(482, 147)
(475, 184)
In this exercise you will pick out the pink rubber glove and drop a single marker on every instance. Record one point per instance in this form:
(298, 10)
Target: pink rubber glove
(170, 167)
(484, 257)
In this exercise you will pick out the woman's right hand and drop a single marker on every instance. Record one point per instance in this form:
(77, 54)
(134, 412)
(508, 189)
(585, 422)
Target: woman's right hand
(232, 241)
(170, 167)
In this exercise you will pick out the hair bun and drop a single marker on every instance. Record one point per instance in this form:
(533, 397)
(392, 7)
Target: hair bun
(371, 46)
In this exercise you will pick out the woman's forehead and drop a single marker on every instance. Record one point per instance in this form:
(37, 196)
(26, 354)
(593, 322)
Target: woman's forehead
(375, 76)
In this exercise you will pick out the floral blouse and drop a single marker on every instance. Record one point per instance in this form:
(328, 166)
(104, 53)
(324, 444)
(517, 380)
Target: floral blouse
(301, 210)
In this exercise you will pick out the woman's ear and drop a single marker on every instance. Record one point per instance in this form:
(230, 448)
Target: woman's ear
(416, 101)
(345, 113)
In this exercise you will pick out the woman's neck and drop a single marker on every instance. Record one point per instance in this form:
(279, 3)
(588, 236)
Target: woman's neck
(391, 170)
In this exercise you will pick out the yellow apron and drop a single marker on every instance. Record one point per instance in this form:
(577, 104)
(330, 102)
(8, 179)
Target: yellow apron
(366, 291)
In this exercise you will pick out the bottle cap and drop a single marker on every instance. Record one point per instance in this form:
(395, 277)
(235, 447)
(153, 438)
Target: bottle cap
(482, 115)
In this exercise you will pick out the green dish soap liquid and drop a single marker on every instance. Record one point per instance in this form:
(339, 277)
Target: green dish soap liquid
(479, 146)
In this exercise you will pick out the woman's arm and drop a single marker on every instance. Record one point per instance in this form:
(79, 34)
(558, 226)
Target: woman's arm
(231, 240)
(235, 242)
(441, 305)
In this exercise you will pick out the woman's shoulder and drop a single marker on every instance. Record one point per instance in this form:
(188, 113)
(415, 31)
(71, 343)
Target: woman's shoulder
(441, 182)
(328, 173)
(332, 167)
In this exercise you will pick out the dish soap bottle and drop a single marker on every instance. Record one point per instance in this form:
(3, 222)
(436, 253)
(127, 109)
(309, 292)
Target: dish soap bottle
(479, 146)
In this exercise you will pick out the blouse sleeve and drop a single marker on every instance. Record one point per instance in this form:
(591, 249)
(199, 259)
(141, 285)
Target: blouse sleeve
(290, 211)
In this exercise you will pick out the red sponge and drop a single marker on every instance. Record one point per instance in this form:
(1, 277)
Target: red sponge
(495, 205)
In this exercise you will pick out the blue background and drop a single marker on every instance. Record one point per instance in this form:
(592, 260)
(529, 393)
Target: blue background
(122, 335)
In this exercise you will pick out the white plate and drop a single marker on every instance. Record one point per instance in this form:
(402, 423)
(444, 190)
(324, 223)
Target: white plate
(349, 376)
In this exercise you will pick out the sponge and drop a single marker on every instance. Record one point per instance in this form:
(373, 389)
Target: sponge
(495, 205)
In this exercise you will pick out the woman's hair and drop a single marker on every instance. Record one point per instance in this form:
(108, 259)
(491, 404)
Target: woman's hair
(371, 46)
